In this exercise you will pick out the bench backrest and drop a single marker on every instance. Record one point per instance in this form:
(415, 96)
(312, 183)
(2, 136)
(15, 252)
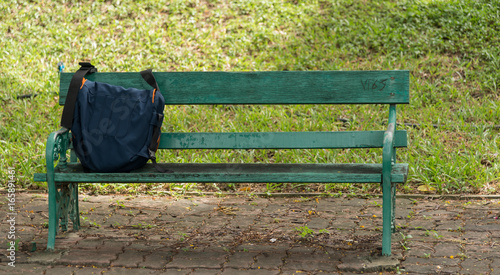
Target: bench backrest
(302, 87)
(272, 87)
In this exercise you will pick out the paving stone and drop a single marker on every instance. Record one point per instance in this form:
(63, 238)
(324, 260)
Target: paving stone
(148, 202)
(442, 261)
(300, 249)
(190, 226)
(26, 233)
(277, 207)
(267, 260)
(44, 257)
(21, 258)
(421, 224)
(85, 257)
(203, 271)
(438, 214)
(126, 271)
(257, 247)
(231, 271)
(240, 260)
(96, 199)
(446, 250)
(311, 266)
(90, 270)
(289, 272)
(179, 208)
(495, 266)
(194, 259)
(202, 209)
(362, 264)
(20, 269)
(444, 235)
(422, 269)
(58, 270)
(495, 234)
(116, 221)
(343, 224)
(112, 246)
(474, 266)
(67, 239)
(476, 237)
(129, 258)
(175, 271)
(318, 223)
(156, 260)
(419, 252)
(482, 251)
(164, 218)
(482, 227)
(355, 202)
(89, 244)
(311, 257)
(449, 225)
(241, 222)
(149, 213)
(140, 246)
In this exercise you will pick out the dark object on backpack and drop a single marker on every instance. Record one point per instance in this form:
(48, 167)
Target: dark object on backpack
(114, 129)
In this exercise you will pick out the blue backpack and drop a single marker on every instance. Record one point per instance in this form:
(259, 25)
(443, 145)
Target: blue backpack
(114, 129)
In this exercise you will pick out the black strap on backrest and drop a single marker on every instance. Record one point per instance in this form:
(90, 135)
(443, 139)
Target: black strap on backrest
(150, 78)
(74, 87)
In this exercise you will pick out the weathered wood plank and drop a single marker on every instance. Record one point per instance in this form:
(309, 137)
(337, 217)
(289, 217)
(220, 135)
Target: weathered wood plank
(238, 173)
(279, 140)
(272, 87)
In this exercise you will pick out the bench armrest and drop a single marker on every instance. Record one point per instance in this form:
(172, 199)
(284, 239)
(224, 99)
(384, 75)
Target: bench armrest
(388, 145)
(388, 151)
(58, 143)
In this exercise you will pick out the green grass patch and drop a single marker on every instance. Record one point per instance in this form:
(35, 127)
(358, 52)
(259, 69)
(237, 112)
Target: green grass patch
(450, 47)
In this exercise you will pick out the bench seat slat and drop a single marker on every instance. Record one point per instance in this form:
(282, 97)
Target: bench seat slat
(271, 87)
(238, 173)
(279, 140)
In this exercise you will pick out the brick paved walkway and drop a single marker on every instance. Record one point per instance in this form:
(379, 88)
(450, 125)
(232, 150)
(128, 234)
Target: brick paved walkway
(243, 235)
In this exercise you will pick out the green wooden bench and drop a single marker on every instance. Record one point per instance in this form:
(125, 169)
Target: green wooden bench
(182, 88)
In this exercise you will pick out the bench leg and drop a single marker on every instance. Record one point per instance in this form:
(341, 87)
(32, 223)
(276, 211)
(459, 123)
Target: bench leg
(63, 206)
(393, 221)
(387, 209)
(68, 206)
(63, 203)
(53, 215)
(57, 145)
(74, 212)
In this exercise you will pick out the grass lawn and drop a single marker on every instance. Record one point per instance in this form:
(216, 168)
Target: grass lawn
(451, 48)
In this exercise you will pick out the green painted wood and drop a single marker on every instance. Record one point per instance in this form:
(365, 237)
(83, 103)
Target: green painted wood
(286, 87)
(279, 140)
(237, 173)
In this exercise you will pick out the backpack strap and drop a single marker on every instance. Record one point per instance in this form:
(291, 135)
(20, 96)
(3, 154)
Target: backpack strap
(155, 140)
(153, 146)
(150, 78)
(74, 88)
